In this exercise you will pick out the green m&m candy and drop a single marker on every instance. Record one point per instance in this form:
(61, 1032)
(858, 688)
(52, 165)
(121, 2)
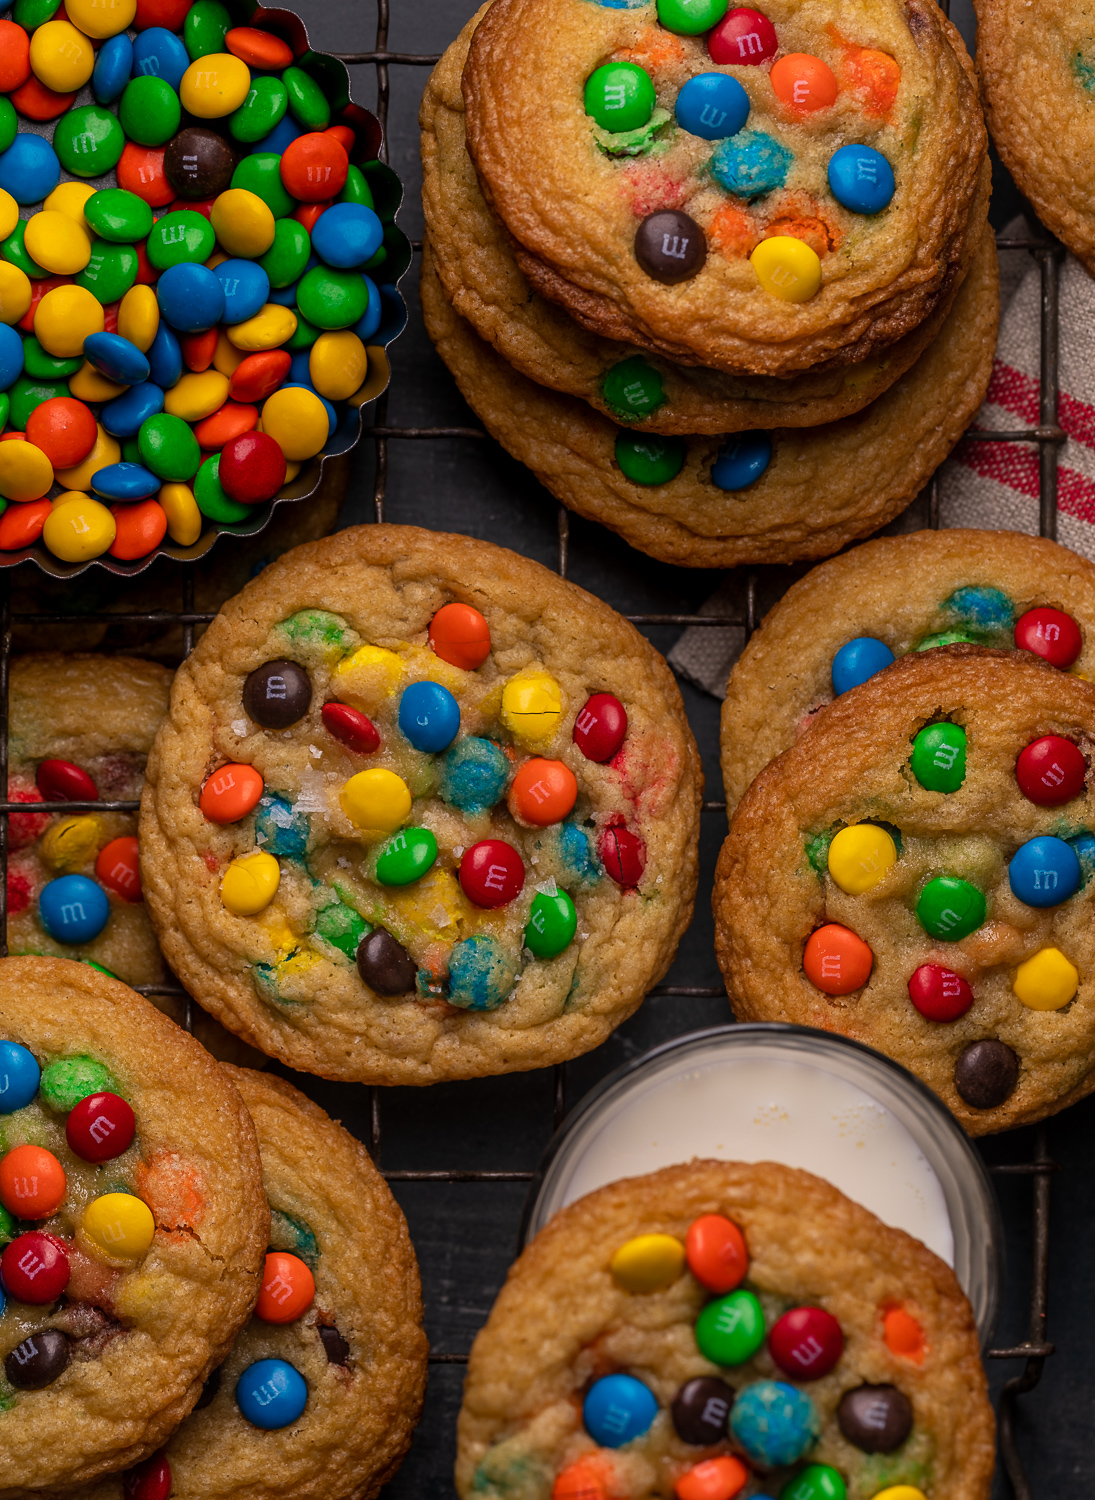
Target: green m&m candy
(307, 101)
(552, 923)
(633, 388)
(5, 408)
(9, 123)
(42, 366)
(118, 216)
(99, 968)
(67, 1080)
(620, 96)
(342, 927)
(332, 299)
(946, 638)
(211, 497)
(950, 908)
(30, 14)
(149, 110)
(261, 174)
(7, 1226)
(816, 1482)
(131, 450)
(730, 1329)
(14, 250)
(939, 757)
(205, 28)
(179, 237)
(650, 459)
(691, 17)
(266, 103)
(357, 190)
(168, 447)
(26, 395)
(88, 141)
(110, 272)
(304, 337)
(406, 856)
(288, 255)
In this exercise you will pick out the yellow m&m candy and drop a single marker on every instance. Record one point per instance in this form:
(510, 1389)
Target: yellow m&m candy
(250, 883)
(25, 471)
(69, 198)
(243, 223)
(57, 243)
(64, 318)
(1047, 981)
(15, 292)
(366, 678)
(89, 384)
(9, 214)
(118, 1225)
(61, 57)
(69, 844)
(859, 857)
(297, 421)
(139, 317)
(376, 801)
(214, 86)
(106, 451)
(648, 1263)
(102, 18)
(338, 364)
(184, 519)
(226, 357)
(787, 268)
(195, 396)
(78, 527)
(532, 705)
(901, 1492)
(271, 326)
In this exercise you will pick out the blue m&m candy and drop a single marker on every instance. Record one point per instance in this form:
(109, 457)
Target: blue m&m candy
(429, 716)
(165, 361)
(125, 481)
(113, 67)
(282, 135)
(774, 1422)
(618, 1408)
(116, 358)
(19, 1075)
(857, 661)
(29, 168)
(73, 909)
(123, 416)
(246, 289)
(347, 235)
(741, 460)
(369, 321)
(861, 179)
(11, 356)
(271, 1394)
(1045, 871)
(158, 53)
(190, 297)
(712, 106)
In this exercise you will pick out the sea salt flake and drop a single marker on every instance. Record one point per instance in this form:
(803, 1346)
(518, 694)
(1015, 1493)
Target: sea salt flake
(239, 728)
(313, 792)
(316, 751)
(548, 887)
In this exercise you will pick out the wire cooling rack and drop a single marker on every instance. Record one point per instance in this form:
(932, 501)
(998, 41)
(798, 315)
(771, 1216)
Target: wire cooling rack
(370, 1122)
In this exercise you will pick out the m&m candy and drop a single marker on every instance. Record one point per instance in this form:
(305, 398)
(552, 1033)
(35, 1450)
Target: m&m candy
(741, 461)
(35, 1268)
(32, 1182)
(552, 923)
(715, 1248)
(647, 1263)
(231, 793)
(429, 716)
(1050, 634)
(620, 96)
(860, 856)
(875, 1418)
(151, 1480)
(1047, 981)
(712, 106)
(250, 883)
(271, 1394)
(617, 1409)
(1044, 871)
(278, 694)
(492, 873)
(288, 1288)
(730, 1329)
(806, 1342)
(100, 1127)
(939, 994)
(939, 757)
(19, 1077)
(353, 729)
(857, 661)
(376, 801)
(601, 727)
(950, 908)
(803, 83)
(744, 38)
(837, 960)
(718, 1478)
(788, 268)
(40, 1359)
(73, 909)
(1051, 771)
(776, 1424)
(118, 1225)
(623, 854)
(861, 179)
(542, 792)
(700, 1409)
(691, 17)
(406, 857)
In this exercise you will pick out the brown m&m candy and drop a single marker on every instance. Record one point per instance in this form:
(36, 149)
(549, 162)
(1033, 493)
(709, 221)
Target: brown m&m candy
(985, 1073)
(670, 246)
(199, 163)
(876, 1418)
(701, 1409)
(385, 965)
(277, 694)
(38, 1361)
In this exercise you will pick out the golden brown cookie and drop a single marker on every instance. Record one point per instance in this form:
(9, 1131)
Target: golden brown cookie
(823, 487)
(1037, 68)
(908, 592)
(836, 1342)
(498, 902)
(581, 203)
(127, 1281)
(358, 1342)
(473, 256)
(902, 876)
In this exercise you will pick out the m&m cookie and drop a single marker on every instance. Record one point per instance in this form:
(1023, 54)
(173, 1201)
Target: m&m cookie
(132, 1224)
(718, 1330)
(917, 873)
(852, 616)
(321, 1390)
(420, 810)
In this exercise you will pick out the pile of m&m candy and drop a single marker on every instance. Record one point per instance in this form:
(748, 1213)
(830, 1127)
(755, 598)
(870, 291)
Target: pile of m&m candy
(475, 775)
(771, 1423)
(173, 348)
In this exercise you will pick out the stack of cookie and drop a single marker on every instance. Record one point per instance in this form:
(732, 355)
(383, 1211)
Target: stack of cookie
(722, 279)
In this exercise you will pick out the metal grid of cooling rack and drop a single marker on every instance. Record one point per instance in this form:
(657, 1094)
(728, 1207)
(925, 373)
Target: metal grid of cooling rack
(1047, 436)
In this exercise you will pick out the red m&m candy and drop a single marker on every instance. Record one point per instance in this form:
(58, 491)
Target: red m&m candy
(460, 635)
(150, 1480)
(1051, 771)
(939, 994)
(623, 854)
(288, 1288)
(1051, 634)
(350, 728)
(14, 56)
(252, 468)
(715, 1250)
(101, 1127)
(35, 1268)
(806, 1343)
(601, 727)
(743, 36)
(492, 873)
(118, 867)
(61, 781)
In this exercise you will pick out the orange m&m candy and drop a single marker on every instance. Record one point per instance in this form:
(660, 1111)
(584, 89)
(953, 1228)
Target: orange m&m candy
(836, 960)
(142, 526)
(460, 635)
(32, 1182)
(230, 793)
(803, 83)
(714, 1479)
(258, 49)
(308, 213)
(543, 792)
(288, 1288)
(343, 134)
(259, 375)
(140, 171)
(715, 1250)
(229, 421)
(314, 167)
(21, 525)
(584, 1480)
(119, 867)
(37, 102)
(903, 1334)
(64, 429)
(14, 56)
(198, 349)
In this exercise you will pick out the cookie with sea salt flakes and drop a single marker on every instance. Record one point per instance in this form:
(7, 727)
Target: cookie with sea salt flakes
(897, 594)
(917, 873)
(340, 1307)
(722, 1329)
(764, 214)
(420, 810)
(132, 1224)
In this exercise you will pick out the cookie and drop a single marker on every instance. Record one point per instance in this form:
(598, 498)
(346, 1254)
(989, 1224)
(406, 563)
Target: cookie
(475, 260)
(895, 595)
(712, 1328)
(915, 873)
(133, 1224)
(340, 1306)
(699, 502)
(396, 864)
(1037, 68)
(734, 240)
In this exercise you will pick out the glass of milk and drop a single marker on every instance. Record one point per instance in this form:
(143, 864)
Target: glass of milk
(771, 1092)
